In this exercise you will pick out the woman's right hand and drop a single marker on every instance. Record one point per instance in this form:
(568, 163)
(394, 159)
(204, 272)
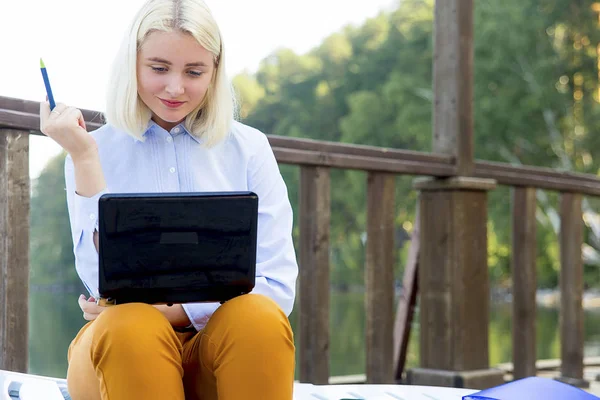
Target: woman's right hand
(89, 308)
(66, 126)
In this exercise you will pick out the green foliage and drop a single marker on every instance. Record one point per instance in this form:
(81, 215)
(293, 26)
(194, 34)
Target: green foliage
(54, 317)
(51, 246)
(536, 95)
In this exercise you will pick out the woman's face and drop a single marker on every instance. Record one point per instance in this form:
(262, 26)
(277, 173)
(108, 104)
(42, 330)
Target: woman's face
(173, 75)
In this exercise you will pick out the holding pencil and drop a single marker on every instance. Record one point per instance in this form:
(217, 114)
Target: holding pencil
(47, 84)
(65, 125)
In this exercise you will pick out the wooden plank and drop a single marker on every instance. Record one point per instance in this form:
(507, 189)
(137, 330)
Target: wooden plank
(314, 274)
(571, 286)
(14, 250)
(504, 174)
(540, 178)
(33, 107)
(19, 120)
(357, 149)
(31, 122)
(506, 368)
(407, 302)
(550, 364)
(379, 277)
(453, 82)
(343, 161)
(510, 170)
(524, 249)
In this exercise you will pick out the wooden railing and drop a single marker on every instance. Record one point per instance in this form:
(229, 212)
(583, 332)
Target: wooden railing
(450, 250)
(18, 118)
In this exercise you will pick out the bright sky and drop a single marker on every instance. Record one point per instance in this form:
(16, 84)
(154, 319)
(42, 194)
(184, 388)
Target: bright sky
(78, 39)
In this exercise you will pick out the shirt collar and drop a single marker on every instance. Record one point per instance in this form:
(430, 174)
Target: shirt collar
(175, 131)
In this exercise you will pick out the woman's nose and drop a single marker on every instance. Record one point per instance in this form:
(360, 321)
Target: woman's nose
(175, 87)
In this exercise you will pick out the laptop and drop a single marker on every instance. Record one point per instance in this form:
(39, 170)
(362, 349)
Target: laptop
(176, 247)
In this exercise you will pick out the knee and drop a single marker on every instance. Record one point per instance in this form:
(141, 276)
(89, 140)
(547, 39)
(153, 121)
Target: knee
(254, 315)
(130, 325)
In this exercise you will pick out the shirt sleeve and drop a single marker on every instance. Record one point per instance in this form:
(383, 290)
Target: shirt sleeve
(83, 216)
(276, 264)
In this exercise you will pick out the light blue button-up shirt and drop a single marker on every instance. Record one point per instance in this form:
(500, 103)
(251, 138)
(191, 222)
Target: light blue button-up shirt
(176, 161)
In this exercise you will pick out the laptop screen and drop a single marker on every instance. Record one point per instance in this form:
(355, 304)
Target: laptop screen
(170, 247)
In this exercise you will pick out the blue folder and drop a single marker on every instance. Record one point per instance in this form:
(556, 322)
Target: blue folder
(532, 388)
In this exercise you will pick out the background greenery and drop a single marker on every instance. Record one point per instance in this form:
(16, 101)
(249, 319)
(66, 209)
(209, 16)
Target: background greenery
(536, 102)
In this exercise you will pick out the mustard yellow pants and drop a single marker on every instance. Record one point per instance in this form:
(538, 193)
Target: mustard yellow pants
(131, 352)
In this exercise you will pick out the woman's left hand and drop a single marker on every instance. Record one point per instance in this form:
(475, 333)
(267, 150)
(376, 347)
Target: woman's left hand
(90, 309)
(174, 313)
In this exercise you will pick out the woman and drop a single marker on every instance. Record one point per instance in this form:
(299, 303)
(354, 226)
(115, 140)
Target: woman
(170, 127)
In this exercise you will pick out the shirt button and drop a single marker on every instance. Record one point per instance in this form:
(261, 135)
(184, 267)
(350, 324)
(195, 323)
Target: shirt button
(92, 216)
(169, 139)
(176, 129)
(172, 170)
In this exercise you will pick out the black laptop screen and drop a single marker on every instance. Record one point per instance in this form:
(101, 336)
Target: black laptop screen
(177, 245)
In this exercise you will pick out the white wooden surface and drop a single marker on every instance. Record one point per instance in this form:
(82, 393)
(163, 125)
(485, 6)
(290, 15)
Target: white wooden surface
(29, 385)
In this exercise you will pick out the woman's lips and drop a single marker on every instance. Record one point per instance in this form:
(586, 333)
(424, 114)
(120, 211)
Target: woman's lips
(172, 104)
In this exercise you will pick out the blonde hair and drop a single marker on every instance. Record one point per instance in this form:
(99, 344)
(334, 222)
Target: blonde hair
(212, 119)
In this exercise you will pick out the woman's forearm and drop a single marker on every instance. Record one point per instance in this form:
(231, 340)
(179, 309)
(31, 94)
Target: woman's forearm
(89, 178)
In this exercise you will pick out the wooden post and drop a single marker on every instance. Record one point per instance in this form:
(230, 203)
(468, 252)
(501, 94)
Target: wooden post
(453, 271)
(314, 274)
(379, 276)
(571, 289)
(524, 247)
(453, 82)
(14, 249)
(454, 285)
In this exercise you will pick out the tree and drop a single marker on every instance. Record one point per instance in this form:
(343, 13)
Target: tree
(51, 247)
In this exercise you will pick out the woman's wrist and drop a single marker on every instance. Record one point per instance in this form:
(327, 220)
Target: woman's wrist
(89, 178)
(86, 157)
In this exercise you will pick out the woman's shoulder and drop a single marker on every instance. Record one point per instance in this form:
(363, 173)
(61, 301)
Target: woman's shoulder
(247, 137)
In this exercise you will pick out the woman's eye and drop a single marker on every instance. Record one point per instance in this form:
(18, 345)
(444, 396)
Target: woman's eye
(195, 73)
(159, 69)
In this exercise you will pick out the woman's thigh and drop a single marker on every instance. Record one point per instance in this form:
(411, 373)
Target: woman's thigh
(81, 376)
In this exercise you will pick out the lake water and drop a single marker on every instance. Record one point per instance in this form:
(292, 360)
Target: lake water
(55, 319)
